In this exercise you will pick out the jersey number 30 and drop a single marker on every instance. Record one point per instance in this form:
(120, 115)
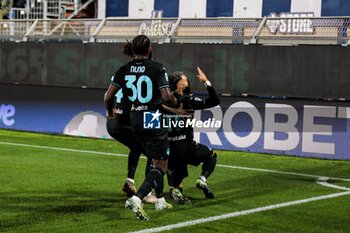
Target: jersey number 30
(137, 89)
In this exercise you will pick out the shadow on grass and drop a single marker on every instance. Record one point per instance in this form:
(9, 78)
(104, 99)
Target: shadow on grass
(27, 208)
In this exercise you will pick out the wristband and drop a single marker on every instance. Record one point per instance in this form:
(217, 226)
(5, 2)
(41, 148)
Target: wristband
(207, 83)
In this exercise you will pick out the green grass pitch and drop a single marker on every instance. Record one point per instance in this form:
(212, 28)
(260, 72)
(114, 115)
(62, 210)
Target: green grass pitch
(47, 189)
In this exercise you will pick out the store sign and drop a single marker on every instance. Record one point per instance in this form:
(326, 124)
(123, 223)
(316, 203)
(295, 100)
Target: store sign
(290, 23)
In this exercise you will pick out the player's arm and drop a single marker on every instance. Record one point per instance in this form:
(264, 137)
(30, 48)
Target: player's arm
(212, 101)
(178, 111)
(168, 97)
(114, 87)
(108, 100)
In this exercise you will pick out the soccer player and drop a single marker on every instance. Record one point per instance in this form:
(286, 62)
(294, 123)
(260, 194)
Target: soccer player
(119, 127)
(184, 150)
(146, 84)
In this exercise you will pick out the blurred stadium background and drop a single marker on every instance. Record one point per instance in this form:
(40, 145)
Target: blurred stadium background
(281, 68)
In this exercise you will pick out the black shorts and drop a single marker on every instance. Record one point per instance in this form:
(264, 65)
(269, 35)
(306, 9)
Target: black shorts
(155, 140)
(199, 153)
(185, 152)
(125, 135)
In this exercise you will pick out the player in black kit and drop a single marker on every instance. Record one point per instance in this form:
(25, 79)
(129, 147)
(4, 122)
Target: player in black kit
(119, 127)
(146, 84)
(184, 150)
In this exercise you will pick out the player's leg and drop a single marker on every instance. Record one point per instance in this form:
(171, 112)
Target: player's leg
(209, 165)
(124, 135)
(150, 198)
(203, 154)
(177, 170)
(174, 158)
(207, 169)
(160, 152)
(129, 186)
(132, 141)
(155, 179)
(171, 164)
(157, 147)
(127, 137)
(162, 167)
(180, 172)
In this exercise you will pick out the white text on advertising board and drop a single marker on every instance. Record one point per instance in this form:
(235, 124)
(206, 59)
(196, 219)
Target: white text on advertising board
(7, 111)
(299, 23)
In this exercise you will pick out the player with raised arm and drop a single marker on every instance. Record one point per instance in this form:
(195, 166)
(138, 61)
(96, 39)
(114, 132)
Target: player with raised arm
(184, 150)
(146, 84)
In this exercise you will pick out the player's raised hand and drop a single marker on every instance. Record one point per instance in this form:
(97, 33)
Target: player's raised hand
(201, 76)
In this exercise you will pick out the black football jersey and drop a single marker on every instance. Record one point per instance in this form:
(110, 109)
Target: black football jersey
(140, 81)
(195, 103)
(122, 105)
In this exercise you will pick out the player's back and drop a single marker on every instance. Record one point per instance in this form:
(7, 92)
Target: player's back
(141, 81)
(143, 78)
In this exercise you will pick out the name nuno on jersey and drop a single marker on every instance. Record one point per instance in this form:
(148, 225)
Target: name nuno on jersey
(137, 69)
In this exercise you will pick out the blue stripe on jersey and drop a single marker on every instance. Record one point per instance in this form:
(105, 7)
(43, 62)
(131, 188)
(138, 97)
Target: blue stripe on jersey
(218, 8)
(170, 8)
(117, 8)
(115, 84)
(279, 6)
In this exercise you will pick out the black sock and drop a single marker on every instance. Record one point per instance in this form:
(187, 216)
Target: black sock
(133, 160)
(209, 166)
(148, 166)
(159, 185)
(153, 179)
(170, 176)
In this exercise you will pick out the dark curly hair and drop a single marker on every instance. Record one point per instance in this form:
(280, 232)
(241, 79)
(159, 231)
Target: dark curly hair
(174, 78)
(128, 51)
(138, 46)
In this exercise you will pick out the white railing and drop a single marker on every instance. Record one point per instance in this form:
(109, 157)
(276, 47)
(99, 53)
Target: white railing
(324, 30)
(44, 9)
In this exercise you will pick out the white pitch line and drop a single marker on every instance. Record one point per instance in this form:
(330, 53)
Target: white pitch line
(320, 180)
(240, 213)
(280, 172)
(63, 149)
(323, 181)
(125, 155)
